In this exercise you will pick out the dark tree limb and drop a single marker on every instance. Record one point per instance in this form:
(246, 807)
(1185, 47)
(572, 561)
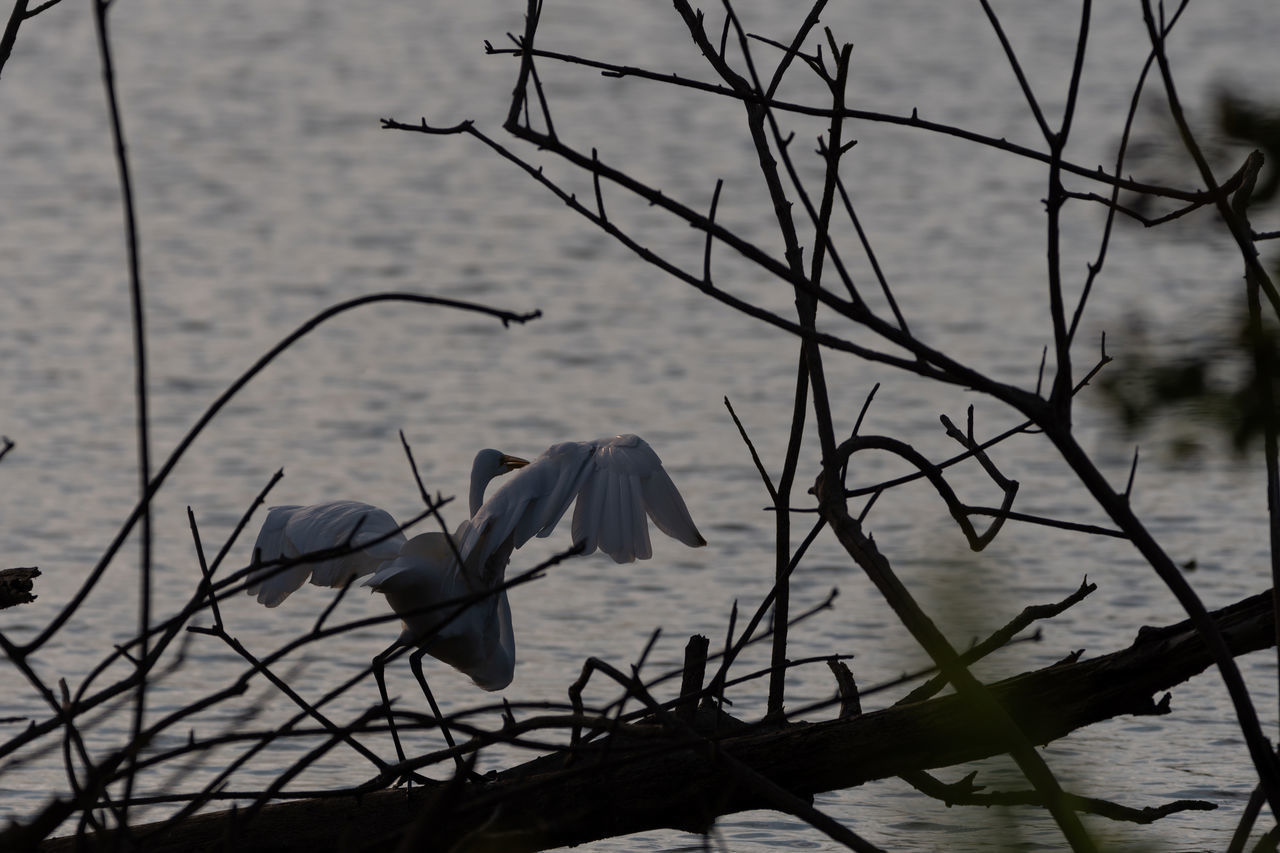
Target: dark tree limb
(652, 781)
(22, 11)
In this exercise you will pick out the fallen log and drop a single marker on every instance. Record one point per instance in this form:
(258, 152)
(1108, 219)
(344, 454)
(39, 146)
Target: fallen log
(650, 777)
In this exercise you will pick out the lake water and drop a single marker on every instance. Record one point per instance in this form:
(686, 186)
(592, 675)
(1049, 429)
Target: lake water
(267, 191)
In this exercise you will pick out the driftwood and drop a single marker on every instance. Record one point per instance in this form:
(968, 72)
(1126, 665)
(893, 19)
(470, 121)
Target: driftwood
(16, 584)
(680, 776)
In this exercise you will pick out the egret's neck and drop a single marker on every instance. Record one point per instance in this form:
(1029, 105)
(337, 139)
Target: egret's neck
(488, 464)
(479, 481)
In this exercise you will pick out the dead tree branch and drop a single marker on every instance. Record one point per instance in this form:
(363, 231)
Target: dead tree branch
(673, 780)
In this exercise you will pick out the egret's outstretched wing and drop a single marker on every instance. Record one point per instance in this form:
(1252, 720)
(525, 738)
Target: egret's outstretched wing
(616, 482)
(291, 532)
(625, 482)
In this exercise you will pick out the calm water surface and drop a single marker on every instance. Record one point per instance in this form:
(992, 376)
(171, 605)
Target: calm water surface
(266, 192)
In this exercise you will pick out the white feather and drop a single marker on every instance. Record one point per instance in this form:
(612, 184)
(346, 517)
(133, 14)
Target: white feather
(293, 532)
(458, 612)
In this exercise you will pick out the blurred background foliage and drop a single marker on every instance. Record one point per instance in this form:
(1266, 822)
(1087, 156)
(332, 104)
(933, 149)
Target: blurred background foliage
(1201, 391)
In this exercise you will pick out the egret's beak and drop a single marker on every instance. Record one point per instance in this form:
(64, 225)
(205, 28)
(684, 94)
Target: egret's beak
(511, 463)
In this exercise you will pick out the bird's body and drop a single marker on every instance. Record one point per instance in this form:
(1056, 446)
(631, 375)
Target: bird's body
(477, 640)
(616, 482)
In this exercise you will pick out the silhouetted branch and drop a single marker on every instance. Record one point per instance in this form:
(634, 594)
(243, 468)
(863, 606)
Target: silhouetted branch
(554, 801)
(638, 760)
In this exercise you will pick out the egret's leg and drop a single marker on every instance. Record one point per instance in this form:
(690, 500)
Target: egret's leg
(415, 663)
(379, 663)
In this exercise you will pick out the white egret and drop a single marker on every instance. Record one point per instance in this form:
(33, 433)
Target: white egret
(615, 481)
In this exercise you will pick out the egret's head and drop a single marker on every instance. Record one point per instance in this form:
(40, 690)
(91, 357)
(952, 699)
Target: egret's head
(490, 463)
